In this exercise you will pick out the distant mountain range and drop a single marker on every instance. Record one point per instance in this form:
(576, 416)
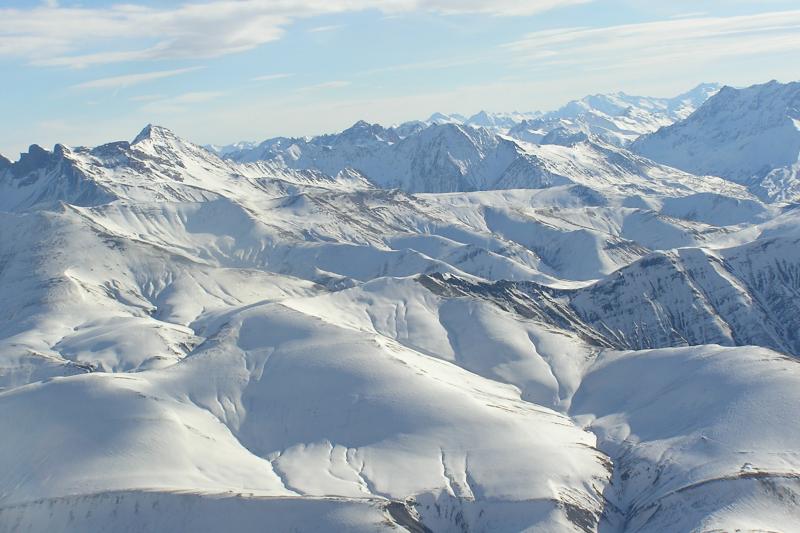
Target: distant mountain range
(616, 118)
(456, 153)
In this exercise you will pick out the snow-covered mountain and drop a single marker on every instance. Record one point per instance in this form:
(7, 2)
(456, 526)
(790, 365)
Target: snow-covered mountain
(449, 153)
(498, 122)
(330, 334)
(451, 157)
(617, 118)
(223, 150)
(749, 136)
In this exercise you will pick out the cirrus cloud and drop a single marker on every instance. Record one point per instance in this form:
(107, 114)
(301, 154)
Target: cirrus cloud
(666, 42)
(55, 35)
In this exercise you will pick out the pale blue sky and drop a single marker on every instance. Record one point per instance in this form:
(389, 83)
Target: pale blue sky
(217, 71)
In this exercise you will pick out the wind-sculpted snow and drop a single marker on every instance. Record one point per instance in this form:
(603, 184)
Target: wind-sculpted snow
(594, 343)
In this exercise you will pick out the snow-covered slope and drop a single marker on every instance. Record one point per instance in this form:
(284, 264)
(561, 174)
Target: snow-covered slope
(749, 136)
(195, 342)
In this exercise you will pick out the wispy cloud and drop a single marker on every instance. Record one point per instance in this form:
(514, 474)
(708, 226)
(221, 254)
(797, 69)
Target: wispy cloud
(270, 77)
(336, 84)
(54, 35)
(322, 29)
(121, 82)
(691, 14)
(146, 97)
(668, 42)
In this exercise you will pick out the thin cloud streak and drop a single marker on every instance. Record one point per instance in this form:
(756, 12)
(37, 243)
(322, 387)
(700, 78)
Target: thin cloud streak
(323, 29)
(128, 80)
(270, 77)
(180, 103)
(336, 84)
(661, 43)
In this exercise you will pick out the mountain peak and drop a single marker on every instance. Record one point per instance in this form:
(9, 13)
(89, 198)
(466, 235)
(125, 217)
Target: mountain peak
(153, 132)
(439, 118)
(700, 92)
(363, 127)
(4, 163)
(364, 132)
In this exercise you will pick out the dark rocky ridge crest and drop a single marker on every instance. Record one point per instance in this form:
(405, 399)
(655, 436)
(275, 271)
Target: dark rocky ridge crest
(36, 157)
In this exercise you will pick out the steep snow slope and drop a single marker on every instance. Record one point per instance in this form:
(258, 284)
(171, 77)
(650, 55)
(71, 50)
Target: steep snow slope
(186, 337)
(749, 136)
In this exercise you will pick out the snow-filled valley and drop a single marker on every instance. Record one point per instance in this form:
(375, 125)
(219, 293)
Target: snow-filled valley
(572, 321)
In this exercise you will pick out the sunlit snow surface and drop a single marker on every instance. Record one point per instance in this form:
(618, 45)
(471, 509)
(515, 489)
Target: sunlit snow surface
(600, 343)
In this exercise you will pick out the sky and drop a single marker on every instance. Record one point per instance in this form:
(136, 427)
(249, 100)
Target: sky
(217, 71)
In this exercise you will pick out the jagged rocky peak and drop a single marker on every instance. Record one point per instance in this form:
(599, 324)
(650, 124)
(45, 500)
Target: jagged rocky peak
(36, 157)
(363, 131)
(4, 163)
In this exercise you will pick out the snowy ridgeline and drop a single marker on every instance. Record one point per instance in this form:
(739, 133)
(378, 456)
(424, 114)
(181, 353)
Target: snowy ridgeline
(335, 336)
